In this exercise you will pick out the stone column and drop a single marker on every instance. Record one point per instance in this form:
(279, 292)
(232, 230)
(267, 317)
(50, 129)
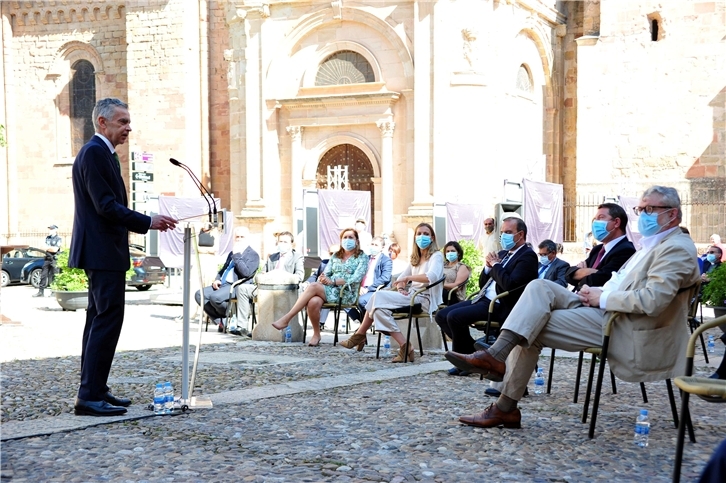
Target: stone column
(386, 127)
(296, 164)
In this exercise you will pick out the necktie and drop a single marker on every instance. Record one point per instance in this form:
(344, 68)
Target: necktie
(481, 293)
(229, 268)
(542, 270)
(599, 257)
(118, 162)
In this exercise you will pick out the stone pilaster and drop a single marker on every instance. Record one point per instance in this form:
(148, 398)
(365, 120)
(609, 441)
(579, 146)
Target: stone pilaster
(386, 127)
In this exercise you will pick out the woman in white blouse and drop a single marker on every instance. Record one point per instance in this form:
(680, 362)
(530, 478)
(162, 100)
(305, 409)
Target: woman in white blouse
(426, 267)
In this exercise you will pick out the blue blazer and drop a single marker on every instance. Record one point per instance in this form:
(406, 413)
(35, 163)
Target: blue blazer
(101, 219)
(382, 272)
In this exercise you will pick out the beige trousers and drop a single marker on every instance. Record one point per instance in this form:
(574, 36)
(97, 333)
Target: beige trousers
(547, 315)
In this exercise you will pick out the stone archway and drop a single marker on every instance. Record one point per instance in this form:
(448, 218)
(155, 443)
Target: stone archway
(360, 170)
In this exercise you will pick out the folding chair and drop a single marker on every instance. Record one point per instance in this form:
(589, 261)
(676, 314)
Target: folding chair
(412, 312)
(336, 307)
(715, 388)
(447, 303)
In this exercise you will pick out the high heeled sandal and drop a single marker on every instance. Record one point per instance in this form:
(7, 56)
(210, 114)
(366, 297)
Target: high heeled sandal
(356, 340)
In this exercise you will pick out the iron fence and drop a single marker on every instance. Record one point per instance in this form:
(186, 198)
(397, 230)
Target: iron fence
(703, 215)
(37, 239)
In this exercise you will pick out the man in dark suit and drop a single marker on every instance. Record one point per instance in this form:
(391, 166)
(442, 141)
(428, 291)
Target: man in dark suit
(100, 246)
(242, 262)
(510, 269)
(614, 250)
(378, 274)
(551, 267)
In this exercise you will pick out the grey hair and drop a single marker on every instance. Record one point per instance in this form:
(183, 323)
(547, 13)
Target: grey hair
(549, 245)
(669, 195)
(379, 239)
(105, 109)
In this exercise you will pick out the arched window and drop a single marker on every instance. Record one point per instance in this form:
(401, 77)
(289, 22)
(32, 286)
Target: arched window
(524, 80)
(83, 99)
(344, 67)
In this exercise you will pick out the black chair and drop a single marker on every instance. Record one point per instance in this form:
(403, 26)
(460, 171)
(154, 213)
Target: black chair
(448, 301)
(232, 304)
(337, 308)
(411, 312)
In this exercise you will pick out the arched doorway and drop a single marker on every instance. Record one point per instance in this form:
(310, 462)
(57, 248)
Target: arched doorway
(360, 170)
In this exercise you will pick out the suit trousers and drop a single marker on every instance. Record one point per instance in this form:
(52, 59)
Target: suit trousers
(215, 301)
(456, 319)
(548, 315)
(245, 294)
(104, 319)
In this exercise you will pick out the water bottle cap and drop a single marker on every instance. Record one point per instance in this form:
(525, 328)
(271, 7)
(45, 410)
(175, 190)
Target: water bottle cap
(643, 412)
(158, 384)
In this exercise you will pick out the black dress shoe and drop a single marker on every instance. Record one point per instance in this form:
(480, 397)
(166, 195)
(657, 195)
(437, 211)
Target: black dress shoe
(97, 408)
(116, 401)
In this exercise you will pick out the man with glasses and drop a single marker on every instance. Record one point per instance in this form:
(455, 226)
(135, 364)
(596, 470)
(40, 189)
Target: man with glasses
(651, 291)
(614, 249)
(242, 263)
(551, 267)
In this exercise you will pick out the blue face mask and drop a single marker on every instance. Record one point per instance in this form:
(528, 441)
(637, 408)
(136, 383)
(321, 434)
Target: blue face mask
(711, 257)
(648, 224)
(423, 241)
(599, 229)
(374, 251)
(452, 256)
(348, 244)
(507, 241)
(544, 260)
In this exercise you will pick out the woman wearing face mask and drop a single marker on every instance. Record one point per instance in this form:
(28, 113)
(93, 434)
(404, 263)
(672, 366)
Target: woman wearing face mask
(427, 266)
(456, 273)
(345, 268)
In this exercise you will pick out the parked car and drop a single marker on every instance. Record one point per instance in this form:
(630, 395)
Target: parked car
(15, 260)
(148, 270)
(31, 272)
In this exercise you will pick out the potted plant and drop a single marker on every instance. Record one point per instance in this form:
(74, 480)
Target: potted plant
(70, 285)
(714, 292)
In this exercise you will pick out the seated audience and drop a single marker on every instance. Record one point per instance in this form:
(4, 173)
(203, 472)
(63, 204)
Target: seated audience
(551, 267)
(314, 278)
(427, 266)
(398, 265)
(712, 262)
(509, 270)
(608, 226)
(377, 275)
(651, 292)
(286, 259)
(716, 241)
(242, 262)
(346, 269)
(456, 273)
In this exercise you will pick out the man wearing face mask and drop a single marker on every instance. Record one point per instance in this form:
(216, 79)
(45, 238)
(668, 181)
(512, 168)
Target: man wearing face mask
(378, 274)
(242, 262)
(608, 227)
(363, 236)
(652, 292)
(551, 267)
(512, 268)
(285, 259)
(712, 262)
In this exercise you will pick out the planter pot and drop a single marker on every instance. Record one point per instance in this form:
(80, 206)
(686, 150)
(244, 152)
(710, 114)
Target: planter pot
(72, 300)
(719, 311)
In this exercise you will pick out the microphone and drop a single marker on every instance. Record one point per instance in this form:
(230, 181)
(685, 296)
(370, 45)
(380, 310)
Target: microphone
(205, 193)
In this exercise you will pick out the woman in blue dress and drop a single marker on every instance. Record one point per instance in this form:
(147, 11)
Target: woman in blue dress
(346, 269)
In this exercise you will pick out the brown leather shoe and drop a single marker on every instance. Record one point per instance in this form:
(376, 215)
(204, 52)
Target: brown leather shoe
(492, 417)
(480, 362)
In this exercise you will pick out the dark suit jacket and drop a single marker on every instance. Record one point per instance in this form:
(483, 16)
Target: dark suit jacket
(321, 269)
(245, 265)
(519, 271)
(557, 271)
(382, 272)
(101, 220)
(611, 262)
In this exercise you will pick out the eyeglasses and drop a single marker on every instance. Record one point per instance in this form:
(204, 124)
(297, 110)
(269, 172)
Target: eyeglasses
(648, 209)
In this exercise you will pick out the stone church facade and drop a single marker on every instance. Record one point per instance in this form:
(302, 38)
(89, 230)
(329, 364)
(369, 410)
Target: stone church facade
(425, 102)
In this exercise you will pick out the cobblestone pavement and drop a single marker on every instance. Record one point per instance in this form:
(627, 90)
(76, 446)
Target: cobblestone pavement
(393, 430)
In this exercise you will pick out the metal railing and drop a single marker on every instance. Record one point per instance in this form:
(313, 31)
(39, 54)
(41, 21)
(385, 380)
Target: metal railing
(37, 238)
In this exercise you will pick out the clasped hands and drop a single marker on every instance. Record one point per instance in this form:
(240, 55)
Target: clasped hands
(326, 281)
(590, 296)
(491, 259)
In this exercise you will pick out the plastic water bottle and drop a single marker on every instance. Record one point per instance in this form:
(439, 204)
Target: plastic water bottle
(159, 399)
(539, 382)
(711, 345)
(642, 429)
(288, 334)
(387, 346)
(168, 398)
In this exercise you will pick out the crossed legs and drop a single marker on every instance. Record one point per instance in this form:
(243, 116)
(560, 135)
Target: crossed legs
(313, 297)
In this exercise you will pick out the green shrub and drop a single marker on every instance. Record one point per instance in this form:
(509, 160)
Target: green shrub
(473, 259)
(73, 279)
(714, 292)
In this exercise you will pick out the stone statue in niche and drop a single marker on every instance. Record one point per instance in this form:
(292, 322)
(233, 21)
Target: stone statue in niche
(471, 49)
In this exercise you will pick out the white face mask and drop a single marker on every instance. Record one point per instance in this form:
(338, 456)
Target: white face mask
(284, 247)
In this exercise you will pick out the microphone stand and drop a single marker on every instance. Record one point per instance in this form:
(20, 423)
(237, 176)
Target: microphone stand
(186, 291)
